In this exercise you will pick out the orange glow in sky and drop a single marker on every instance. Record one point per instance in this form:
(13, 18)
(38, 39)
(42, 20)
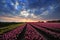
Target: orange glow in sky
(17, 19)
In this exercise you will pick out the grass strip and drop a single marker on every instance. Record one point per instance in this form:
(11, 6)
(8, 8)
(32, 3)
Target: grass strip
(8, 28)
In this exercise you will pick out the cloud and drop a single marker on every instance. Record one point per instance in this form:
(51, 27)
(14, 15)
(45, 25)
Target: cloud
(27, 14)
(24, 13)
(16, 5)
(16, 19)
(30, 9)
(45, 13)
(33, 15)
(51, 7)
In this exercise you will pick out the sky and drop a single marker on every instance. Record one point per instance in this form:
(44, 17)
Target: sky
(29, 10)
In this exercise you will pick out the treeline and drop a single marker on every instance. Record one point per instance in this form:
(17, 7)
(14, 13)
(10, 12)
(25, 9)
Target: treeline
(54, 21)
(3, 24)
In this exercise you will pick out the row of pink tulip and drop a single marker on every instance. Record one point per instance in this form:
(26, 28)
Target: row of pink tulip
(13, 33)
(32, 34)
(45, 30)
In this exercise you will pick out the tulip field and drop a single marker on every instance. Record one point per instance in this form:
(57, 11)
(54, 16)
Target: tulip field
(31, 31)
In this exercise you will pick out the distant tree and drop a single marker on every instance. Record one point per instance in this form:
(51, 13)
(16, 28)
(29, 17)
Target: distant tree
(54, 21)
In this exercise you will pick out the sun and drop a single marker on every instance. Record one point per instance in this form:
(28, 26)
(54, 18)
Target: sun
(45, 21)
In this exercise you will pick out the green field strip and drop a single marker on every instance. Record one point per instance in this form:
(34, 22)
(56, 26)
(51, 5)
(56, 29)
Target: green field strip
(10, 27)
